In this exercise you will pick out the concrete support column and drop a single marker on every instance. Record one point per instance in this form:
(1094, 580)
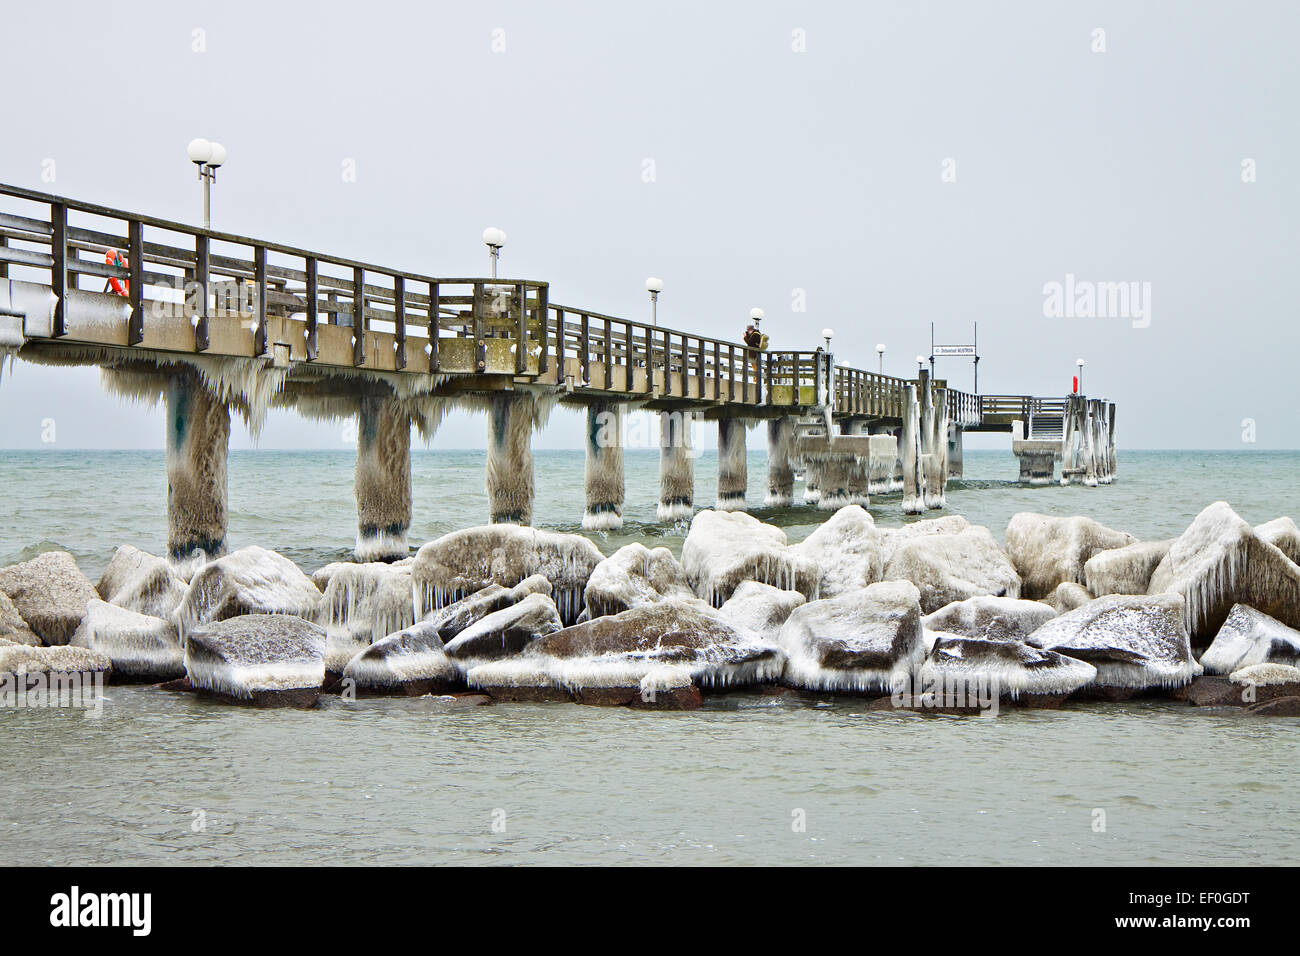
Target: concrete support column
(954, 451)
(780, 474)
(198, 440)
(383, 479)
(882, 460)
(732, 476)
(936, 472)
(676, 468)
(1110, 440)
(910, 452)
(812, 482)
(1037, 467)
(604, 477)
(510, 458)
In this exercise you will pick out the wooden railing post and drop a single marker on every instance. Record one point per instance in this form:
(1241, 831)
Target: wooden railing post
(521, 331)
(480, 343)
(358, 316)
(135, 293)
(544, 330)
(399, 321)
(313, 309)
(59, 270)
(435, 325)
(560, 375)
(260, 344)
(631, 352)
(586, 348)
(609, 355)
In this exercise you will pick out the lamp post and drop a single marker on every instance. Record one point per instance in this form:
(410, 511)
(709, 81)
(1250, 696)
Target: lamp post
(828, 334)
(494, 238)
(654, 286)
(920, 364)
(880, 353)
(1079, 364)
(757, 316)
(208, 157)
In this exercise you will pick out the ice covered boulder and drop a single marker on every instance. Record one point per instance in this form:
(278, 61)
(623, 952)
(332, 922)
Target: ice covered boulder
(21, 665)
(953, 567)
(50, 593)
(463, 562)
(142, 582)
(1249, 686)
(1135, 641)
(1283, 680)
(891, 539)
(993, 618)
(142, 647)
(252, 580)
(362, 603)
(412, 662)
(507, 631)
(658, 653)
(866, 640)
(960, 669)
(1283, 534)
(844, 550)
(13, 629)
(450, 620)
(1220, 561)
(1125, 570)
(1250, 637)
(760, 608)
(1046, 551)
(1067, 597)
(631, 576)
(725, 548)
(262, 659)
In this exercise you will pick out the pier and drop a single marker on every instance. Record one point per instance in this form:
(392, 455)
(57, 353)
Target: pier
(206, 322)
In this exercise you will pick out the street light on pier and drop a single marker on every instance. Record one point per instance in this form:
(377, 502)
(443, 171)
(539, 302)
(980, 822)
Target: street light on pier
(1079, 364)
(828, 334)
(494, 238)
(654, 287)
(880, 353)
(920, 364)
(757, 316)
(208, 157)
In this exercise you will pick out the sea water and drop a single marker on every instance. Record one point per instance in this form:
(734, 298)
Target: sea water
(750, 778)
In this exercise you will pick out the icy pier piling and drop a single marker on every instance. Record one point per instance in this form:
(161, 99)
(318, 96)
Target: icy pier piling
(198, 440)
(604, 474)
(383, 479)
(510, 458)
(732, 476)
(780, 474)
(676, 468)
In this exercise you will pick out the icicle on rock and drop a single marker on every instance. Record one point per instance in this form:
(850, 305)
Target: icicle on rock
(252, 580)
(411, 662)
(1250, 637)
(362, 603)
(723, 549)
(1046, 551)
(953, 567)
(845, 550)
(142, 582)
(634, 575)
(990, 618)
(1124, 570)
(452, 619)
(462, 562)
(506, 632)
(1283, 534)
(987, 670)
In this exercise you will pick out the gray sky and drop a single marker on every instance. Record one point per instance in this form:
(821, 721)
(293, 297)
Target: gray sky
(775, 170)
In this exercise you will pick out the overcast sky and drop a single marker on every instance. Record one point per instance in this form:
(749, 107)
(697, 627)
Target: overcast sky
(791, 149)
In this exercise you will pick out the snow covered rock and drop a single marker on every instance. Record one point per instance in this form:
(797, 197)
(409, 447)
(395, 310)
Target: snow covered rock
(507, 631)
(141, 647)
(250, 581)
(1125, 570)
(1250, 686)
(142, 582)
(845, 551)
(1283, 534)
(22, 660)
(665, 649)
(361, 604)
(760, 608)
(1135, 641)
(1046, 551)
(463, 562)
(13, 628)
(988, 670)
(1250, 637)
(50, 593)
(866, 640)
(953, 567)
(412, 662)
(631, 576)
(991, 618)
(454, 618)
(263, 659)
(1067, 597)
(891, 539)
(1283, 677)
(1220, 561)
(725, 548)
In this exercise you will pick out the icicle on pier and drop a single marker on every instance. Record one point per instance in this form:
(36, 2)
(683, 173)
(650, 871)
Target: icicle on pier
(206, 321)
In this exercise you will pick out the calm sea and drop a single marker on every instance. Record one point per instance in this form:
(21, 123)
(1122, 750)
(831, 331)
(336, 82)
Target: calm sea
(164, 778)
